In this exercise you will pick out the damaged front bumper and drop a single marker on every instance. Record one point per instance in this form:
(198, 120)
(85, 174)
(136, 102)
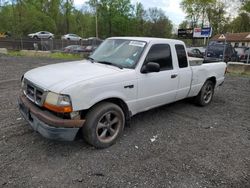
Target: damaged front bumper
(48, 124)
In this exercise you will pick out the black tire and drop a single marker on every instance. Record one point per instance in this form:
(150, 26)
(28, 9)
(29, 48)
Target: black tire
(35, 37)
(68, 38)
(206, 94)
(104, 124)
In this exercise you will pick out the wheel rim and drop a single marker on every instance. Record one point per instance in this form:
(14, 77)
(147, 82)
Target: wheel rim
(208, 93)
(108, 127)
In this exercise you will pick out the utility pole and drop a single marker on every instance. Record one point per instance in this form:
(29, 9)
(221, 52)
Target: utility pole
(225, 44)
(96, 19)
(96, 24)
(248, 55)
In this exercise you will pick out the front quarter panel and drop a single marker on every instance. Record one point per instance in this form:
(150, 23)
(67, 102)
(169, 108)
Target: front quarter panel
(86, 94)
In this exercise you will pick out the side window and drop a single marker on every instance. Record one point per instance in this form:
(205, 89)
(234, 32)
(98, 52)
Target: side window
(161, 54)
(181, 55)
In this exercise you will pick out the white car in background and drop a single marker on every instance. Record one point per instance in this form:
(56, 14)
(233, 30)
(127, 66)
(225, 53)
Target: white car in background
(72, 37)
(41, 35)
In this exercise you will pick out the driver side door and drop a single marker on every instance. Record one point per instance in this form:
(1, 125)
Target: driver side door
(157, 88)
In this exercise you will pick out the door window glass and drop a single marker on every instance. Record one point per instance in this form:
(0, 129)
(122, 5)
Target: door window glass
(161, 54)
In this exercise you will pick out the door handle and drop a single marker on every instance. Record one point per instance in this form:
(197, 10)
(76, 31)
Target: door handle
(174, 75)
(129, 86)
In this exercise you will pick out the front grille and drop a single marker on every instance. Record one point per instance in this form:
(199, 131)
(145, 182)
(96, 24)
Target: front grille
(33, 92)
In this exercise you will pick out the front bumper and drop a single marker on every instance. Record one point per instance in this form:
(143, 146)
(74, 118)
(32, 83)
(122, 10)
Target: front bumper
(46, 123)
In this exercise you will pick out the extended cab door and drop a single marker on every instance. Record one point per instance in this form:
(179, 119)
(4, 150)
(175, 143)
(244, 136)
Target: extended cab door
(157, 88)
(184, 72)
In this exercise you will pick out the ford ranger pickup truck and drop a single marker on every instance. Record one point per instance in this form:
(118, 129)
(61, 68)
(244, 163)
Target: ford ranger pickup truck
(96, 97)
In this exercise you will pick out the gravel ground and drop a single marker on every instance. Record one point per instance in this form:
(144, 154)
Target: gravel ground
(191, 146)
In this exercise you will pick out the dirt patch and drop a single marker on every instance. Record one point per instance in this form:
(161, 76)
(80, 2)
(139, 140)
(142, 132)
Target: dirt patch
(177, 145)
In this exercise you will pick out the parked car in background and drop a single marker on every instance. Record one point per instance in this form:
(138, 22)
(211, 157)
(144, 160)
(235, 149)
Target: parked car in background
(74, 49)
(194, 52)
(90, 48)
(220, 51)
(41, 35)
(242, 53)
(72, 37)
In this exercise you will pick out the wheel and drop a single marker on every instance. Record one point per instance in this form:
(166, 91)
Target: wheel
(68, 38)
(206, 94)
(35, 37)
(104, 124)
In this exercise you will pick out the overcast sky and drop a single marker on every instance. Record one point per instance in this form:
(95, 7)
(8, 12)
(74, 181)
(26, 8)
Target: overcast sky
(171, 8)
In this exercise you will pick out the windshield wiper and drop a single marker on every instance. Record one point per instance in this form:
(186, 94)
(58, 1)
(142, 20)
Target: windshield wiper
(110, 63)
(91, 59)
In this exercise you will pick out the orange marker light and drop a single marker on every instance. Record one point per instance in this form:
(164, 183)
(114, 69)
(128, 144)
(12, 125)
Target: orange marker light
(59, 109)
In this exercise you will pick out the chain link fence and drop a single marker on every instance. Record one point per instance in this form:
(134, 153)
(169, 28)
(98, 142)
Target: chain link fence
(44, 44)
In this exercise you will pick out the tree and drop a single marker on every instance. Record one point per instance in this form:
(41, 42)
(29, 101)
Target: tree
(158, 25)
(196, 10)
(184, 25)
(246, 6)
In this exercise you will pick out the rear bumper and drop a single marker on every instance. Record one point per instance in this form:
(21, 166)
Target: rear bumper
(46, 123)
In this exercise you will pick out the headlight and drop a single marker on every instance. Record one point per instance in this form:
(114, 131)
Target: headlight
(58, 103)
(23, 85)
(22, 82)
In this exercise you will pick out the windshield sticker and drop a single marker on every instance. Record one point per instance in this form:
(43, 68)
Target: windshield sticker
(137, 43)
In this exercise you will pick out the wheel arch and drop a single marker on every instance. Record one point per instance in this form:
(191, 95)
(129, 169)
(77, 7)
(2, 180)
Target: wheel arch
(115, 100)
(213, 79)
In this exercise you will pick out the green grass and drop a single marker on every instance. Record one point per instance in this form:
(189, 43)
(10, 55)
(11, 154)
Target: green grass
(56, 55)
(15, 53)
(66, 56)
(247, 75)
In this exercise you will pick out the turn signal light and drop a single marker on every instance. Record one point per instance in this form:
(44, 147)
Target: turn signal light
(59, 109)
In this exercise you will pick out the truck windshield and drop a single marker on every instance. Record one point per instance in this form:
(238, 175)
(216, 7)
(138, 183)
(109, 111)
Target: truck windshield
(119, 52)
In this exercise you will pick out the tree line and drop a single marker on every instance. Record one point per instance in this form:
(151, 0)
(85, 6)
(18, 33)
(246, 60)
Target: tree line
(219, 14)
(113, 18)
(118, 17)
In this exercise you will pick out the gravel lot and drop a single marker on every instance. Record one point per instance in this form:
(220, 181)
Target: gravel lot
(193, 147)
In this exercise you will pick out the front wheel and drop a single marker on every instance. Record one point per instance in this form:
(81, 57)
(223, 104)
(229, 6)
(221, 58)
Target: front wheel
(206, 94)
(104, 124)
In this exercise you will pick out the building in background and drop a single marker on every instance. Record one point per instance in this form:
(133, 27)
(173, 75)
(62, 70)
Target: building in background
(236, 39)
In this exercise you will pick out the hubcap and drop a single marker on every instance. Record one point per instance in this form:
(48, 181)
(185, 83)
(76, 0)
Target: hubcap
(208, 93)
(108, 127)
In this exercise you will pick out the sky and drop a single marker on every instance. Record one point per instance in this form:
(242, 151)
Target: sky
(171, 8)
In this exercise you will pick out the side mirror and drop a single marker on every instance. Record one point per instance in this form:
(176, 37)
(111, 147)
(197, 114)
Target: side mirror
(150, 67)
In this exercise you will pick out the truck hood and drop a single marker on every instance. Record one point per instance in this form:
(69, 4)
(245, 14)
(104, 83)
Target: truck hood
(59, 76)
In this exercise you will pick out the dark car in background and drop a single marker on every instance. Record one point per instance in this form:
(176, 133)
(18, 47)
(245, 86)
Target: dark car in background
(220, 51)
(242, 53)
(194, 52)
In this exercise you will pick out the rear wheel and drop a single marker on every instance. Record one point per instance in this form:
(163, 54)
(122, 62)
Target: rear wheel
(104, 124)
(206, 94)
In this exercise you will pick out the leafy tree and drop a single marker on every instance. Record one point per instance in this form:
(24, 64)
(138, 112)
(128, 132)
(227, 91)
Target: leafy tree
(246, 6)
(158, 24)
(196, 10)
(115, 18)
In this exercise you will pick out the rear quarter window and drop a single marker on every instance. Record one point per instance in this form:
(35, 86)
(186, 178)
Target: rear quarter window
(181, 55)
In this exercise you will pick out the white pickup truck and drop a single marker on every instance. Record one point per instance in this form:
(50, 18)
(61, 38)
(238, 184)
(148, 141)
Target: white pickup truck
(124, 76)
